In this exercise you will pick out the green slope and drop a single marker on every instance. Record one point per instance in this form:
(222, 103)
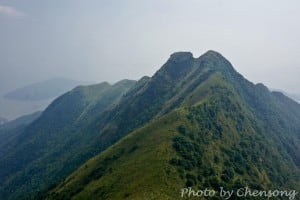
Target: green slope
(12, 129)
(212, 140)
(45, 151)
(220, 114)
(140, 159)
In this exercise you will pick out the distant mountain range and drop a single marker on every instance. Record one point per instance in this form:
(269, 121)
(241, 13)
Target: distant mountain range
(43, 90)
(34, 97)
(195, 123)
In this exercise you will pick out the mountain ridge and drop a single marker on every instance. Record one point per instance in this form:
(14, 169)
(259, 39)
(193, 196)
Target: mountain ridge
(60, 127)
(202, 100)
(214, 133)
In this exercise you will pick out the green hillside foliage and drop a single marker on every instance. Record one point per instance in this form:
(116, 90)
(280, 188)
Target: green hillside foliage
(216, 138)
(12, 129)
(57, 142)
(196, 122)
(134, 168)
(201, 146)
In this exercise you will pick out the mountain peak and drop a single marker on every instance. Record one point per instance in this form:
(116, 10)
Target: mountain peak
(213, 55)
(176, 66)
(212, 52)
(181, 63)
(181, 56)
(216, 61)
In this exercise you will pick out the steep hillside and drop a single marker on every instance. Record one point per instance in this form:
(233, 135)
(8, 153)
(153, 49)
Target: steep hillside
(12, 129)
(214, 139)
(195, 122)
(45, 151)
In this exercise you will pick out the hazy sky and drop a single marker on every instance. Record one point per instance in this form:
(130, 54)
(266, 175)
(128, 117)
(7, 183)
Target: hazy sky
(98, 40)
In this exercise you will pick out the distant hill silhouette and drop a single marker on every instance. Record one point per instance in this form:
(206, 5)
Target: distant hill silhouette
(34, 97)
(43, 90)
